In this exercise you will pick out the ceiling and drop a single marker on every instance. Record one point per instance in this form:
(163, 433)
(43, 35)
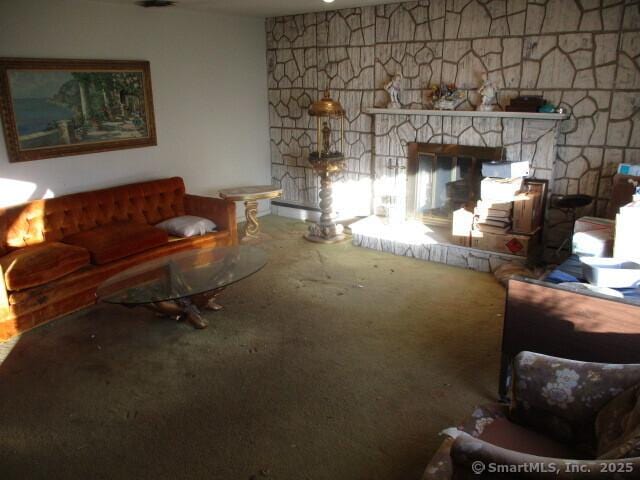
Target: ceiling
(264, 8)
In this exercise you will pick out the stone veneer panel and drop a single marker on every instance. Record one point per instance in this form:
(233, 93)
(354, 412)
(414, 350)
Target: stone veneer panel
(581, 54)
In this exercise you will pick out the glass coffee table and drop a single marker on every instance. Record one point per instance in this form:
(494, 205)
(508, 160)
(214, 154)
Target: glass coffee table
(181, 284)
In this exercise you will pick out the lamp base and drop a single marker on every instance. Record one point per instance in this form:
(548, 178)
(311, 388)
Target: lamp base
(328, 233)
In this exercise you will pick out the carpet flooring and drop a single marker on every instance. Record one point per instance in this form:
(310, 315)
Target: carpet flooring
(333, 362)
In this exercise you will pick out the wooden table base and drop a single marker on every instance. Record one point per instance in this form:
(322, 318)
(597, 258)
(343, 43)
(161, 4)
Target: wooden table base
(189, 308)
(252, 228)
(250, 196)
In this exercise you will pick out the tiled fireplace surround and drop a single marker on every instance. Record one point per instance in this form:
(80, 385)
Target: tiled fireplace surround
(581, 54)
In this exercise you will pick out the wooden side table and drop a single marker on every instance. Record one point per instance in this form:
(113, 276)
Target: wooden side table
(250, 197)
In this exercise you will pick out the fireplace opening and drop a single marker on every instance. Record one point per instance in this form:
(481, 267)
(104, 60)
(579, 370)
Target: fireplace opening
(442, 178)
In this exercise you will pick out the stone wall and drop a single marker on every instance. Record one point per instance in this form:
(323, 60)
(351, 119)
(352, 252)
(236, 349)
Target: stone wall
(581, 54)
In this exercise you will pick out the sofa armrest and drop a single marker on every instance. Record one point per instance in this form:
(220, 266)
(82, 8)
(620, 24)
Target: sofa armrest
(471, 456)
(222, 212)
(4, 295)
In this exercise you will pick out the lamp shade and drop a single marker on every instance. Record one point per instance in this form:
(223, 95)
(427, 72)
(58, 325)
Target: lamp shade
(326, 107)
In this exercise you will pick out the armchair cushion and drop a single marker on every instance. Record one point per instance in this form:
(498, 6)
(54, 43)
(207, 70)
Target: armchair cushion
(118, 240)
(618, 426)
(562, 397)
(506, 434)
(39, 264)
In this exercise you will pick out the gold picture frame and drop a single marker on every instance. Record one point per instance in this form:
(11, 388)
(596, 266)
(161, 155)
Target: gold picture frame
(56, 108)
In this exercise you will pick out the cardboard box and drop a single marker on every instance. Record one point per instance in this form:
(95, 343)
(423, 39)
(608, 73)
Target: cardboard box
(588, 224)
(627, 237)
(622, 192)
(511, 243)
(527, 214)
(505, 169)
(593, 236)
(596, 243)
(461, 227)
(500, 189)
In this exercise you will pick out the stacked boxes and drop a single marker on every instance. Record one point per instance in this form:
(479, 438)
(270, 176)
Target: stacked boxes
(507, 219)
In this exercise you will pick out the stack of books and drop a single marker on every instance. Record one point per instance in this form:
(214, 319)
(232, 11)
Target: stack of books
(492, 217)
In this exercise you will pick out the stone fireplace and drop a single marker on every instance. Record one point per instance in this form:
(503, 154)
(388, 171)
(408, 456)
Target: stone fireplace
(519, 137)
(412, 210)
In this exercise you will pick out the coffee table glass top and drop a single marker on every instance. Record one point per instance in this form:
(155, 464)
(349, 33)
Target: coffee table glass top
(182, 274)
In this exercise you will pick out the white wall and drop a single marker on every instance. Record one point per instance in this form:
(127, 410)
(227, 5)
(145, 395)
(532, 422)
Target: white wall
(209, 89)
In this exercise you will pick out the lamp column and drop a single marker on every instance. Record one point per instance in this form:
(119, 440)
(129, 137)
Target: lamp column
(327, 160)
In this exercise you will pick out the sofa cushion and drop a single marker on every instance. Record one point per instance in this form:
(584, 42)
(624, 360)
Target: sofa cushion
(40, 264)
(117, 240)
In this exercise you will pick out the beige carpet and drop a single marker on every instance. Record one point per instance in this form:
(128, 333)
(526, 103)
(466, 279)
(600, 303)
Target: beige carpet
(333, 362)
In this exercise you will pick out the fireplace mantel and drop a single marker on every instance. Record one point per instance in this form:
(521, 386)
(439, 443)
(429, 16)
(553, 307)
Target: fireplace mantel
(466, 113)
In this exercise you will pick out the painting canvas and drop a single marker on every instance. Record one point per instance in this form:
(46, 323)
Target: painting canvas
(55, 107)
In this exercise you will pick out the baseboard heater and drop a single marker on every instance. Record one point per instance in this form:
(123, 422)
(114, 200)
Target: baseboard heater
(299, 206)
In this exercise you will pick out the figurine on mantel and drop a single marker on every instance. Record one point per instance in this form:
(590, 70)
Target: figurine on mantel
(445, 97)
(394, 89)
(489, 93)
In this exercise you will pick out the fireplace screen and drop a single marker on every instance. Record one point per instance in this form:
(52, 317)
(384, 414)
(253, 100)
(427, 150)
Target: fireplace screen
(444, 178)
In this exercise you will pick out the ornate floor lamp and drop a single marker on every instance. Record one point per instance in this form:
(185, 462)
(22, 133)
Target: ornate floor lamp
(327, 160)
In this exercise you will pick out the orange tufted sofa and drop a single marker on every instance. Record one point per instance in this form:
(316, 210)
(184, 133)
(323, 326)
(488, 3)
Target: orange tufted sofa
(55, 252)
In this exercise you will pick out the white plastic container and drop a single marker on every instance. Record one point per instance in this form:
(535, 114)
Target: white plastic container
(505, 169)
(611, 272)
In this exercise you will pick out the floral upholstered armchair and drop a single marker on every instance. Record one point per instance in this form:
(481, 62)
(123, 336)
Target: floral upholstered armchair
(566, 420)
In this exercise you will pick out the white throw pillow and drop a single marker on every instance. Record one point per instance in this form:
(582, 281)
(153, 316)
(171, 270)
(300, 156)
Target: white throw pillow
(187, 226)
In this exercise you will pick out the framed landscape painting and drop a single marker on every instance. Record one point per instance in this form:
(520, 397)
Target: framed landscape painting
(55, 108)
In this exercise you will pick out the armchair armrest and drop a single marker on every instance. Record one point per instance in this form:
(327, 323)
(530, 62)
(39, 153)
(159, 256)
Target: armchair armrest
(220, 211)
(466, 450)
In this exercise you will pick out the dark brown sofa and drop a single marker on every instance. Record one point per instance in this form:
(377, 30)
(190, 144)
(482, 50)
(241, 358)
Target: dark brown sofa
(55, 252)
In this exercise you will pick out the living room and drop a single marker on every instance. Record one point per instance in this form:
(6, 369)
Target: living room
(320, 239)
